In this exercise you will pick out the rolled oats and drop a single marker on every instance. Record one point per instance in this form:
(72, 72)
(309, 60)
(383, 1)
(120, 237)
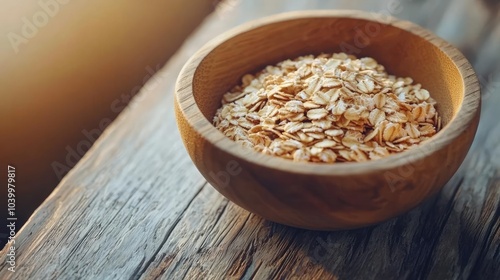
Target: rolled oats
(329, 108)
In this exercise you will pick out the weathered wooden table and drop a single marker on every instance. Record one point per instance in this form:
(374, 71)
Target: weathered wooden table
(136, 207)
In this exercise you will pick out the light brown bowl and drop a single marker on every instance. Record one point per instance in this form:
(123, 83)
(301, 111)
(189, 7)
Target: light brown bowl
(327, 196)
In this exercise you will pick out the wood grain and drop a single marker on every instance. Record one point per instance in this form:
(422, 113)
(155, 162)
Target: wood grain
(136, 208)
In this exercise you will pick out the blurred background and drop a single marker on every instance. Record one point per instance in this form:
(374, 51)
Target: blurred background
(69, 67)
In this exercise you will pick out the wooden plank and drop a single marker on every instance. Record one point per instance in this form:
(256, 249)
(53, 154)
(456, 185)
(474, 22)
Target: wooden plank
(487, 64)
(461, 22)
(136, 207)
(467, 24)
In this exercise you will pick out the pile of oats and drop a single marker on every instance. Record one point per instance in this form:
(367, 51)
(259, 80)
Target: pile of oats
(329, 108)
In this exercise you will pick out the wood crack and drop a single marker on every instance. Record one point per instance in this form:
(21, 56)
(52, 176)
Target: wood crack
(255, 271)
(429, 257)
(167, 235)
(226, 202)
(280, 266)
(489, 237)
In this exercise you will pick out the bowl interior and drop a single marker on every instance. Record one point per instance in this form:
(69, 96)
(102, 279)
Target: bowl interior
(402, 52)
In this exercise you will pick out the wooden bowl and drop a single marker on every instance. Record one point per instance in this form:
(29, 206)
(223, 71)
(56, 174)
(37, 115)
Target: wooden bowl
(327, 196)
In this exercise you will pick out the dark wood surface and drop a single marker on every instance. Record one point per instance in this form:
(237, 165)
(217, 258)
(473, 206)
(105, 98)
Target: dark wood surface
(136, 207)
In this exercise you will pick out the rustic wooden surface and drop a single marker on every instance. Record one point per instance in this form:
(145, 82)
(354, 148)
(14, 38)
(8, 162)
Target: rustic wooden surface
(136, 207)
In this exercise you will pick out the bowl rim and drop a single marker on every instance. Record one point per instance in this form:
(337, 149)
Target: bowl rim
(185, 101)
